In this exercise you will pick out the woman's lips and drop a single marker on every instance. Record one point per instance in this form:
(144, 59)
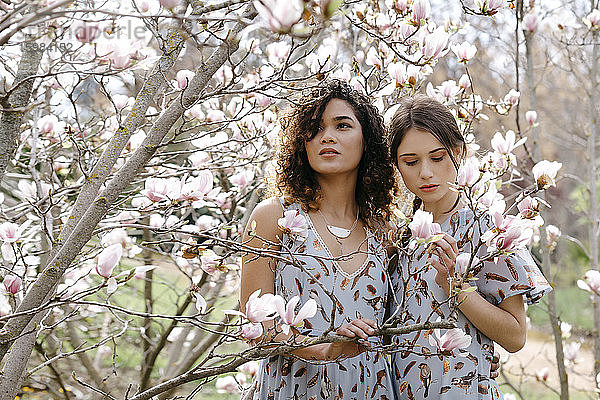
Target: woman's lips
(428, 188)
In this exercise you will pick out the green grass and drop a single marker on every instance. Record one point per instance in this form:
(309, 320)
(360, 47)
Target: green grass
(573, 305)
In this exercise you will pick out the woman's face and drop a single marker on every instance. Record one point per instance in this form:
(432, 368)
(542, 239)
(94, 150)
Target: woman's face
(338, 145)
(427, 169)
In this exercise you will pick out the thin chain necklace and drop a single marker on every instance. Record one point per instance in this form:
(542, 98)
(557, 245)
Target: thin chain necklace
(337, 231)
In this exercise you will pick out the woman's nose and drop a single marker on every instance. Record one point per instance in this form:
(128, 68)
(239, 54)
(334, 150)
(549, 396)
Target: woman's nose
(426, 170)
(327, 137)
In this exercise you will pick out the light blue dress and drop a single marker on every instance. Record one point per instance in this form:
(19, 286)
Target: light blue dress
(418, 374)
(361, 294)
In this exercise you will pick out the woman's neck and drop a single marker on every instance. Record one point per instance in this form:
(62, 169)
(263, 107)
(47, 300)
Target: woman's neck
(443, 208)
(338, 198)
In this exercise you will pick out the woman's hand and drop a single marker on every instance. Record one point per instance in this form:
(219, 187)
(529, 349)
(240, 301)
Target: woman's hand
(447, 250)
(361, 328)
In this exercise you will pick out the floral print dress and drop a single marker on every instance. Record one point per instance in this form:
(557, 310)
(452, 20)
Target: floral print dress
(462, 375)
(361, 294)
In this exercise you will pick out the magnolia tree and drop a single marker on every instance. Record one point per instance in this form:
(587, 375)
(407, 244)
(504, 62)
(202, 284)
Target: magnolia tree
(136, 139)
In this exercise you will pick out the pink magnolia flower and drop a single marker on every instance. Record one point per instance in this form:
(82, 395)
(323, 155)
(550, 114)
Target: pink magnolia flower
(12, 283)
(590, 282)
(465, 51)
(47, 124)
(169, 4)
(288, 316)
(453, 339)
(401, 5)
(544, 173)
(464, 82)
(435, 43)
(531, 117)
(250, 368)
(406, 30)
(490, 6)
(183, 77)
(200, 302)
(196, 188)
(592, 20)
(252, 331)
(542, 374)
(281, 15)
(108, 259)
(468, 173)
(260, 308)
(448, 89)
(422, 225)
(530, 21)
(156, 189)
(528, 207)
(293, 223)
(572, 351)
(462, 262)
(397, 72)
(552, 233)
(505, 145)
(210, 261)
(86, 32)
(373, 58)
(512, 97)
(11, 232)
(242, 178)
(421, 10)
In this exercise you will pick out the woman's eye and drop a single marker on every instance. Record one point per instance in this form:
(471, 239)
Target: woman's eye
(343, 126)
(409, 163)
(437, 159)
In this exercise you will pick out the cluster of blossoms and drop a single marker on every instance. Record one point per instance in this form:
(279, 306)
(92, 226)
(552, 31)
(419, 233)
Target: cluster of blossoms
(269, 307)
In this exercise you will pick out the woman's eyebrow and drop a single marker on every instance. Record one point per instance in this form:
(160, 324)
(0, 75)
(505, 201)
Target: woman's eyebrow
(414, 154)
(342, 117)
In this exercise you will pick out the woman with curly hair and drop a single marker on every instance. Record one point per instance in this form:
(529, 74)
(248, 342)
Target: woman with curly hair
(335, 175)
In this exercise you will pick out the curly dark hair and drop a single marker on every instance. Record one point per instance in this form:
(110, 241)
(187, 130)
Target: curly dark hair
(295, 180)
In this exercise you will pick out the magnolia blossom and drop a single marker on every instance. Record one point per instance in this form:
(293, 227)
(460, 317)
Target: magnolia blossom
(464, 51)
(421, 10)
(85, 32)
(156, 189)
(47, 124)
(169, 4)
(542, 374)
(528, 207)
(490, 6)
(590, 282)
(435, 43)
(552, 233)
(565, 329)
(287, 312)
(242, 178)
(281, 15)
(397, 72)
(464, 82)
(462, 262)
(422, 225)
(108, 259)
(252, 331)
(544, 173)
(448, 89)
(10, 233)
(401, 5)
(530, 21)
(453, 339)
(196, 188)
(531, 117)
(210, 261)
(200, 302)
(258, 308)
(183, 77)
(250, 368)
(12, 283)
(592, 20)
(468, 173)
(509, 396)
(505, 145)
(293, 223)
(227, 384)
(572, 351)
(512, 97)
(509, 234)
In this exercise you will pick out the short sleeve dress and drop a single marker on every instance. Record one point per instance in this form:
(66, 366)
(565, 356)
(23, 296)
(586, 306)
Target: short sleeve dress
(419, 375)
(361, 294)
